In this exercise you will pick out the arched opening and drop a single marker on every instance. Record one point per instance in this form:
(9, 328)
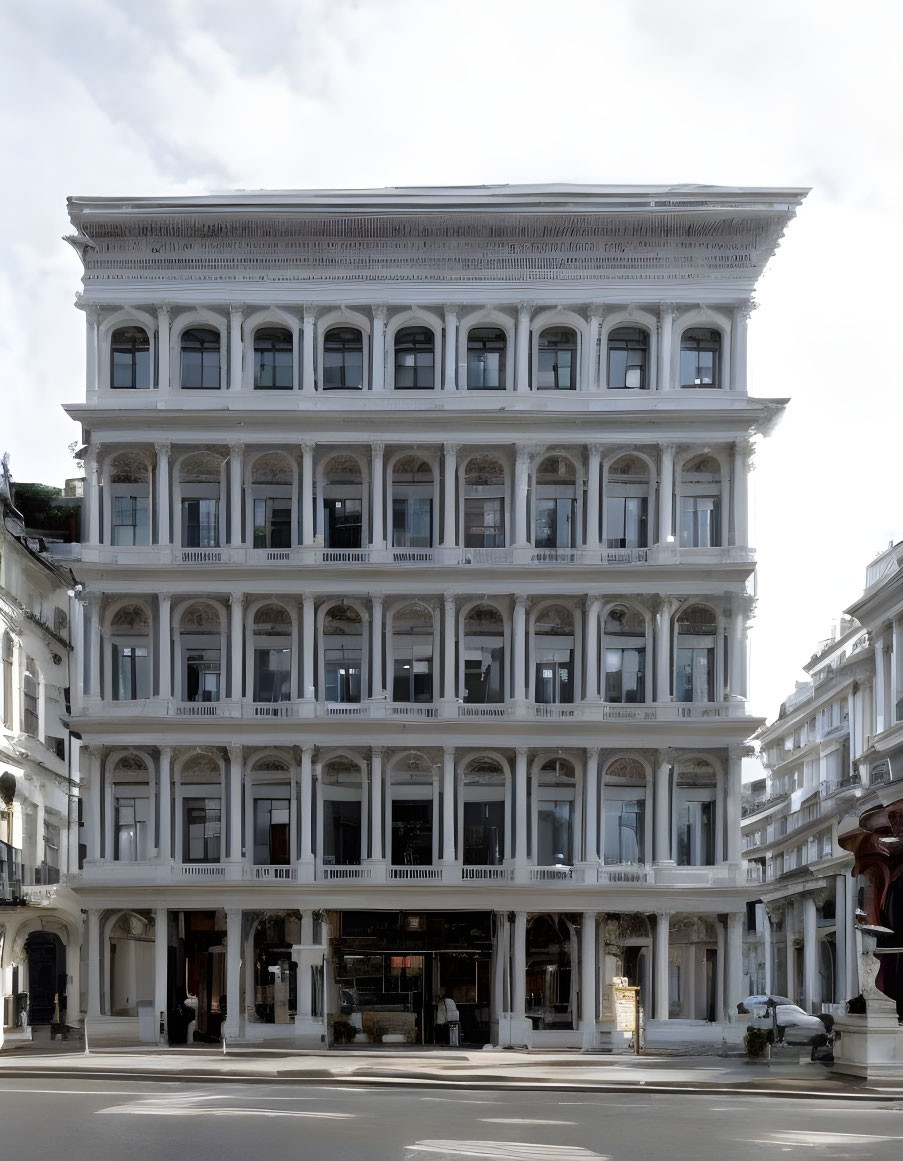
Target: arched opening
(275, 972)
(695, 810)
(624, 646)
(200, 484)
(484, 503)
(130, 794)
(556, 813)
(551, 983)
(343, 652)
(627, 504)
(412, 503)
(553, 648)
(343, 359)
(700, 358)
(271, 499)
(557, 359)
(341, 783)
(130, 652)
(555, 504)
(700, 503)
(624, 812)
(130, 362)
(694, 676)
(31, 692)
(6, 658)
(45, 958)
(412, 654)
(273, 359)
(484, 655)
(272, 823)
(272, 647)
(200, 359)
(201, 649)
(484, 813)
(131, 947)
(129, 500)
(486, 357)
(628, 359)
(200, 781)
(343, 503)
(415, 361)
(412, 813)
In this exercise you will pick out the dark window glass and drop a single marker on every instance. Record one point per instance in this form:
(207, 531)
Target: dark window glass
(696, 834)
(201, 842)
(557, 360)
(484, 522)
(628, 349)
(700, 521)
(341, 832)
(131, 669)
(271, 832)
(486, 348)
(343, 523)
(554, 682)
(412, 522)
(200, 523)
(200, 359)
(272, 359)
(412, 833)
(626, 519)
(343, 359)
(484, 834)
(273, 523)
(625, 675)
(700, 355)
(625, 831)
(555, 521)
(202, 675)
(343, 675)
(131, 520)
(414, 359)
(130, 359)
(272, 674)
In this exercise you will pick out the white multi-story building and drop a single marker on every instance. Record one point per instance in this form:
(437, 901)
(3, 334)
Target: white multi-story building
(40, 920)
(417, 579)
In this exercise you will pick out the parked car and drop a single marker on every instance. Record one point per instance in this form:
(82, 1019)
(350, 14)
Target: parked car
(793, 1024)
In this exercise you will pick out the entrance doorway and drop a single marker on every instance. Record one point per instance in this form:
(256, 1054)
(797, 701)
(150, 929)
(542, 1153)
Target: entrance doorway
(46, 959)
(196, 983)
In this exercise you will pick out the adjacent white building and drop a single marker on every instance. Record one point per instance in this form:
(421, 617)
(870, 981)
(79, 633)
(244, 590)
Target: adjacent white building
(417, 580)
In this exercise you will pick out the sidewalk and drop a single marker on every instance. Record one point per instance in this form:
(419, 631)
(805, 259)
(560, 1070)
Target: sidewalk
(449, 1068)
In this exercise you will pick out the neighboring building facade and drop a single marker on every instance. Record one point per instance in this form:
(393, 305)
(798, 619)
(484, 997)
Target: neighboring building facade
(417, 578)
(40, 921)
(830, 761)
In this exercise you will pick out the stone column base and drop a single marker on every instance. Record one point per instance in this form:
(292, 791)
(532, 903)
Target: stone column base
(870, 1045)
(514, 1032)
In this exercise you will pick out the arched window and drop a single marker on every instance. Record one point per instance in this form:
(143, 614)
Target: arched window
(694, 680)
(270, 500)
(6, 657)
(200, 778)
(273, 368)
(628, 356)
(412, 655)
(129, 491)
(484, 503)
(624, 812)
(200, 482)
(272, 654)
(30, 688)
(483, 813)
(555, 506)
(700, 503)
(557, 370)
(130, 780)
(700, 356)
(130, 359)
(343, 503)
(270, 792)
(695, 807)
(556, 793)
(341, 788)
(200, 639)
(624, 645)
(343, 359)
(412, 503)
(200, 358)
(484, 655)
(130, 652)
(627, 504)
(413, 832)
(486, 350)
(415, 362)
(343, 641)
(553, 647)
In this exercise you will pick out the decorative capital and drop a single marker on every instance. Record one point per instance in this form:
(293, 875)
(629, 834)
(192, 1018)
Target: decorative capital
(92, 313)
(592, 753)
(737, 752)
(309, 314)
(668, 755)
(236, 449)
(380, 312)
(450, 449)
(163, 310)
(163, 448)
(236, 599)
(235, 753)
(377, 448)
(666, 309)
(525, 309)
(377, 599)
(307, 449)
(235, 308)
(520, 600)
(451, 311)
(595, 312)
(448, 599)
(377, 751)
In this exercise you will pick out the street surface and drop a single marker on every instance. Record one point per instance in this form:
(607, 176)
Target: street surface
(87, 1120)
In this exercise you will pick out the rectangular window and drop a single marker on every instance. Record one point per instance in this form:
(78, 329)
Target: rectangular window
(700, 522)
(272, 674)
(344, 523)
(202, 675)
(271, 832)
(484, 522)
(555, 523)
(484, 834)
(131, 665)
(273, 523)
(272, 368)
(555, 370)
(555, 831)
(131, 829)
(200, 368)
(696, 834)
(695, 678)
(200, 523)
(131, 520)
(412, 522)
(201, 840)
(30, 698)
(483, 676)
(554, 683)
(341, 832)
(626, 522)
(413, 680)
(624, 830)
(343, 678)
(625, 675)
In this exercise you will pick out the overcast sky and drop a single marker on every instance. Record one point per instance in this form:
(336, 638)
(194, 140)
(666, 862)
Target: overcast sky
(125, 97)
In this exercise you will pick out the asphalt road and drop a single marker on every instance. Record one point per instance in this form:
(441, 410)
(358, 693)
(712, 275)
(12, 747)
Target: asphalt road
(84, 1120)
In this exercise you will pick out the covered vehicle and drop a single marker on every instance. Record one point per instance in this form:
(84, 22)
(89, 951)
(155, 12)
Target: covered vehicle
(794, 1026)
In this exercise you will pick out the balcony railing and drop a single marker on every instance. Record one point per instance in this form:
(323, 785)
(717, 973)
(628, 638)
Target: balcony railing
(416, 874)
(487, 874)
(272, 873)
(347, 874)
(200, 870)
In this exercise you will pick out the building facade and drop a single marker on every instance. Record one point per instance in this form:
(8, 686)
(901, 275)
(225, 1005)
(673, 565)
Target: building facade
(416, 587)
(40, 919)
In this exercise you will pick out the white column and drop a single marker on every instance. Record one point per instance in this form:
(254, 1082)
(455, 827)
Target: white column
(161, 949)
(95, 790)
(499, 965)
(721, 972)
(164, 831)
(881, 718)
(588, 980)
(591, 810)
(853, 938)
(591, 648)
(236, 638)
(810, 952)
(666, 327)
(451, 349)
(92, 937)
(792, 989)
(519, 499)
(732, 793)
(93, 600)
(739, 323)
(92, 317)
(740, 493)
(306, 805)
(592, 495)
(666, 494)
(842, 928)
(519, 643)
(663, 807)
(663, 651)
(308, 382)
(448, 805)
(520, 801)
(450, 495)
(660, 966)
(307, 494)
(92, 475)
(235, 351)
(231, 1025)
(768, 951)
(163, 353)
(376, 802)
(737, 653)
(522, 339)
(235, 804)
(164, 535)
(591, 358)
(378, 689)
(733, 977)
(307, 646)
(449, 669)
(896, 671)
(236, 459)
(164, 642)
(378, 370)
(377, 522)
(519, 970)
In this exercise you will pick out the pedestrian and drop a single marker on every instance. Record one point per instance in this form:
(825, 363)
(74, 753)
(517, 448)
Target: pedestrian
(447, 1019)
